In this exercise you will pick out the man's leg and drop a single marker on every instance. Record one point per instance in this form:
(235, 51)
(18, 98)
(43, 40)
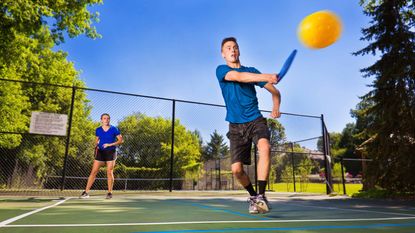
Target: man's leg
(242, 177)
(264, 162)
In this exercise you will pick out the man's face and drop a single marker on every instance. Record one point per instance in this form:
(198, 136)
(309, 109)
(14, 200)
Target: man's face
(105, 120)
(230, 51)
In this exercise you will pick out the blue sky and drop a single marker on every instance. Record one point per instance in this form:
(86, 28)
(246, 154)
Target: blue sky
(171, 48)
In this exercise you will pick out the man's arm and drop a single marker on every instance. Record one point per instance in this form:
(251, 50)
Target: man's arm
(276, 100)
(246, 77)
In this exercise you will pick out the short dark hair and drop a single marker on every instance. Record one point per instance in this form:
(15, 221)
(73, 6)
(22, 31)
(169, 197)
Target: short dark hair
(105, 114)
(227, 39)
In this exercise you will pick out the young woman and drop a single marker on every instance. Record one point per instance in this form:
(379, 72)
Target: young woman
(108, 137)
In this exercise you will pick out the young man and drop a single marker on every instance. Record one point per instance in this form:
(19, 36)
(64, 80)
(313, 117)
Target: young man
(246, 123)
(107, 138)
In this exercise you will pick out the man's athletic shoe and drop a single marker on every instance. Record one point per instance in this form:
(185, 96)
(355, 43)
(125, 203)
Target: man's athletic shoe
(253, 209)
(262, 204)
(84, 195)
(109, 196)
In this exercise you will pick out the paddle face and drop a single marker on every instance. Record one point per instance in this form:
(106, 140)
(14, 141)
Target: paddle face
(286, 65)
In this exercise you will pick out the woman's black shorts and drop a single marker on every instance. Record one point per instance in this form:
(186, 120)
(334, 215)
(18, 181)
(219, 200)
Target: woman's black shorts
(105, 155)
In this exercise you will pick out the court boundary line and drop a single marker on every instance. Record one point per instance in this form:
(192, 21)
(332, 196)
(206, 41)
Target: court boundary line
(10, 220)
(208, 222)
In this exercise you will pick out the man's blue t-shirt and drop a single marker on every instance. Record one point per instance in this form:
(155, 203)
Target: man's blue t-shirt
(108, 136)
(240, 98)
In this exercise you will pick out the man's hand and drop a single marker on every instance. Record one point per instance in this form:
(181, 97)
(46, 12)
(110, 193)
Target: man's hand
(275, 113)
(106, 145)
(273, 79)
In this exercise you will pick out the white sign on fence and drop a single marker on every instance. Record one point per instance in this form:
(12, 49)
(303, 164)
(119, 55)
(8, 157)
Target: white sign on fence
(48, 123)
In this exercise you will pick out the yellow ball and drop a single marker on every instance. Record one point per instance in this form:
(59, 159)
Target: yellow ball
(320, 29)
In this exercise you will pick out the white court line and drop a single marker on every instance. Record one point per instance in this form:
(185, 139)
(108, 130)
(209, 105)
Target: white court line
(8, 221)
(356, 210)
(209, 222)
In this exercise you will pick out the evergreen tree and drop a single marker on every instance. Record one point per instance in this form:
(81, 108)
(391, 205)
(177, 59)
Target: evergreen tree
(216, 148)
(388, 113)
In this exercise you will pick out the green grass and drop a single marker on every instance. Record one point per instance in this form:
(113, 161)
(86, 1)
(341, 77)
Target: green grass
(315, 188)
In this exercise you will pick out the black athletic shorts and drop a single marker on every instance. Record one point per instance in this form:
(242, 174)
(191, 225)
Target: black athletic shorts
(105, 155)
(241, 137)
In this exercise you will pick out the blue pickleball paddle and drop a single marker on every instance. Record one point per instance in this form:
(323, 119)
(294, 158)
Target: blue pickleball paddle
(286, 65)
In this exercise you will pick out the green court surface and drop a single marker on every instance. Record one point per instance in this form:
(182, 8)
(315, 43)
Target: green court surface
(204, 212)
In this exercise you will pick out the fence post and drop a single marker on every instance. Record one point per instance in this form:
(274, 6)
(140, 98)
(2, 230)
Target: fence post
(292, 162)
(173, 117)
(233, 183)
(217, 174)
(211, 178)
(326, 152)
(68, 139)
(206, 175)
(343, 180)
(220, 178)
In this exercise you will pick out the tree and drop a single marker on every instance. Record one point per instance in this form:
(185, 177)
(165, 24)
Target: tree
(147, 143)
(343, 145)
(216, 148)
(349, 142)
(27, 17)
(390, 112)
(28, 32)
(277, 133)
(277, 140)
(335, 149)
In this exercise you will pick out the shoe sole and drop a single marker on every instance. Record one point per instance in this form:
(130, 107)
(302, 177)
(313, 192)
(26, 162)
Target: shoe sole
(262, 207)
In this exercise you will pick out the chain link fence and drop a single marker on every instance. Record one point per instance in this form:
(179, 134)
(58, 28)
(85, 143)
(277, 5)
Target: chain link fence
(163, 149)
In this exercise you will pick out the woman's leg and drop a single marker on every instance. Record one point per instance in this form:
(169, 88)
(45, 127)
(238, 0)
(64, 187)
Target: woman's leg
(95, 168)
(110, 174)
